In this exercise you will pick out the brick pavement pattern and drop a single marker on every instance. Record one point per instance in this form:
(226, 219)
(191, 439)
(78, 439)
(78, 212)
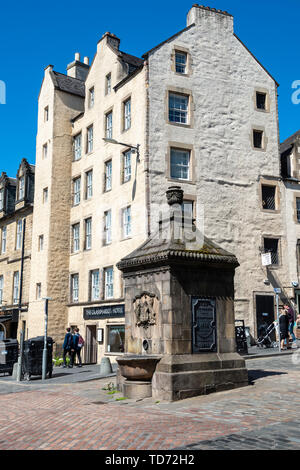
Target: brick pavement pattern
(83, 416)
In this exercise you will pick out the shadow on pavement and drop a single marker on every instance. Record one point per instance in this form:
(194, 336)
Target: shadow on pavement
(256, 374)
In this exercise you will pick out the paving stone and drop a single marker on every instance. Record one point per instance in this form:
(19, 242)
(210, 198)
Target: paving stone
(63, 415)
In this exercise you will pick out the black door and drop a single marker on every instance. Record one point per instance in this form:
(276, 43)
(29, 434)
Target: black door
(204, 331)
(265, 312)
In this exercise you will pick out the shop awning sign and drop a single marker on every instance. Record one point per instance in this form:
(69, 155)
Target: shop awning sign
(105, 311)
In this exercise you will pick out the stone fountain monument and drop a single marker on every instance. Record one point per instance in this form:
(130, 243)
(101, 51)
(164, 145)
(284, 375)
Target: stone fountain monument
(179, 314)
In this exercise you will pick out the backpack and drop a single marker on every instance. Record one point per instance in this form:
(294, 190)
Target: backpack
(80, 341)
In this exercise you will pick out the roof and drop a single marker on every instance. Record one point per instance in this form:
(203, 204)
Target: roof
(131, 59)
(159, 251)
(68, 84)
(288, 143)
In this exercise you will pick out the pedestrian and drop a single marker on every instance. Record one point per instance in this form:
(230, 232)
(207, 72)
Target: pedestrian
(78, 343)
(284, 328)
(67, 346)
(291, 317)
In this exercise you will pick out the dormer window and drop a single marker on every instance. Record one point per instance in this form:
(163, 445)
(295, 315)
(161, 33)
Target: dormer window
(21, 194)
(1, 199)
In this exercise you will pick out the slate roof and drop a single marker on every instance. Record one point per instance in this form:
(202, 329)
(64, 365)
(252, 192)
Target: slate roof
(131, 59)
(155, 250)
(68, 84)
(288, 143)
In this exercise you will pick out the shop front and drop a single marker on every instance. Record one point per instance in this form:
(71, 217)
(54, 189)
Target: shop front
(104, 332)
(9, 324)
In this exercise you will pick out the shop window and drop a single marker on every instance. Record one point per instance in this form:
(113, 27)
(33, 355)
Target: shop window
(115, 338)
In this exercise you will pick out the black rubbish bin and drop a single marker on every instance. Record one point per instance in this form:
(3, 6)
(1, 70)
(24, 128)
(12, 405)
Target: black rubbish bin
(8, 355)
(33, 357)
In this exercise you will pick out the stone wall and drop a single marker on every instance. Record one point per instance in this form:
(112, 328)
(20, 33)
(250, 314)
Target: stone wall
(226, 169)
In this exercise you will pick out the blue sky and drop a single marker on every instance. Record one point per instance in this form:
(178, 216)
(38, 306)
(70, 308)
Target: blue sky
(34, 34)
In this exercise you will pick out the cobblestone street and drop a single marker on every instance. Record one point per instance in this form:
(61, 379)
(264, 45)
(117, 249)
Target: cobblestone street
(81, 415)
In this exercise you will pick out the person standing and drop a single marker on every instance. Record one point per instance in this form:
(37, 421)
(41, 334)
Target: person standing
(291, 317)
(67, 346)
(284, 328)
(78, 343)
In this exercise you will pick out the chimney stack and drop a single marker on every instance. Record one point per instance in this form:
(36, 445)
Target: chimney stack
(78, 69)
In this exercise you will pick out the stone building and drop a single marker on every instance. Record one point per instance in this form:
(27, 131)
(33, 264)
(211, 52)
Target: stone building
(16, 209)
(199, 111)
(290, 170)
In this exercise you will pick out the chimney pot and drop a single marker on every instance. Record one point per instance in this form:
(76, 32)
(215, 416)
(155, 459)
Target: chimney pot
(86, 60)
(77, 56)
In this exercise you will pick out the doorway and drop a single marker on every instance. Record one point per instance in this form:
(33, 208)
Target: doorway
(265, 312)
(90, 346)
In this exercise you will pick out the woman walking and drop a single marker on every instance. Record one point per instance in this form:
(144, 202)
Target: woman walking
(284, 328)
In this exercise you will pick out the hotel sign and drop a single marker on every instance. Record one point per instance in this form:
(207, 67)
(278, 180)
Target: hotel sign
(105, 311)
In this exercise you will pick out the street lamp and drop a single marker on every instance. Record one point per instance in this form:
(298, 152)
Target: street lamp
(132, 147)
(45, 350)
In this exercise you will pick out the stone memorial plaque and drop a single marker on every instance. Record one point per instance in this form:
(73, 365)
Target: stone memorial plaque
(204, 325)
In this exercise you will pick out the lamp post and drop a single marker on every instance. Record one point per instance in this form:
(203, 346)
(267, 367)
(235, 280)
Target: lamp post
(132, 147)
(45, 350)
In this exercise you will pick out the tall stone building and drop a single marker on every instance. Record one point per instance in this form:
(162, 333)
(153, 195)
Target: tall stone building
(198, 111)
(16, 209)
(290, 170)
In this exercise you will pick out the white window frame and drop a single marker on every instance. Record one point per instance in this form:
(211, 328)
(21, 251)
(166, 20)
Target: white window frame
(127, 166)
(89, 184)
(178, 108)
(180, 65)
(3, 239)
(127, 114)
(21, 187)
(19, 234)
(95, 285)
(76, 191)
(108, 175)
(88, 233)
(126, 222)
(109, 283)
(109, 125)
(90, 139)
(16, 280)
(75, 288)
(180, 170)
(77, 142)
(75, 238)
(108, 227)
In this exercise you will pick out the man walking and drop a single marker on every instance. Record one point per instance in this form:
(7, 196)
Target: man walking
(67, 346)
(78, 343)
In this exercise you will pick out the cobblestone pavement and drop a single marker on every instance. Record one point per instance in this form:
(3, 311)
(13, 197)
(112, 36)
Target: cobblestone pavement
(82, 415)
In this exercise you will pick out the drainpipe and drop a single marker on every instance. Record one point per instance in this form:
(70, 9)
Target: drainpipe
(20, 359)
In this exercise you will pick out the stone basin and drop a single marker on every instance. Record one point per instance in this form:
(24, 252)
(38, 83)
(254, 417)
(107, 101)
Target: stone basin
(138, 367)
